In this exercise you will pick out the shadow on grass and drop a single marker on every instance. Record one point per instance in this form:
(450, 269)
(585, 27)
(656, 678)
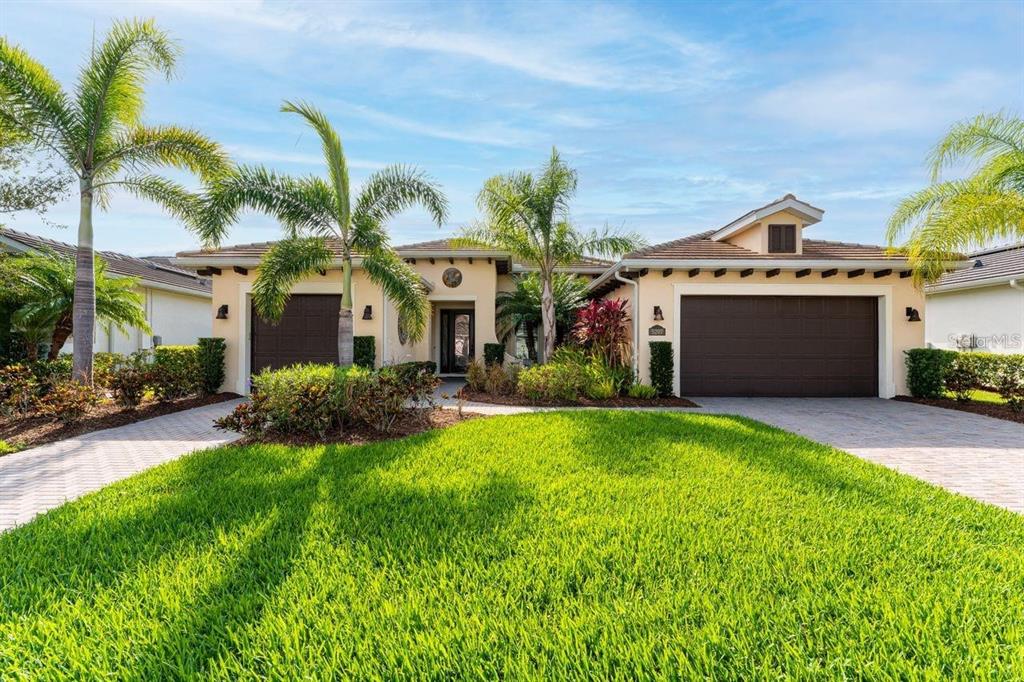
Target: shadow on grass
(264, 498)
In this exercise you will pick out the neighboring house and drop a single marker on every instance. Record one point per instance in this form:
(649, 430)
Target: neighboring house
(177, 301)
(752, 308)
(980, 307)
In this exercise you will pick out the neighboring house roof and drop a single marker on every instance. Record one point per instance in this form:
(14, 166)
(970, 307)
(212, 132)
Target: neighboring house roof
(985, 268)
(155, 272)
(703, 246)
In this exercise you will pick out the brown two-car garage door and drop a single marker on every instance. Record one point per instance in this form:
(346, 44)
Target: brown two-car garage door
(779, 346)
(307, 332)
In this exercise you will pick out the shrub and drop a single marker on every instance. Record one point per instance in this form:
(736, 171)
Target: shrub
(211, 364)
(569, 355)
(18, 390)
(499, 381)
(128, 381)
(6, 448)
(553, 382)
(494, 354)
(961, 377)
(602, 388)
(411, 370)
(601, 327)
(476, 376)
(364, 351)
(643, 391)
(176, 372)
(380, 398)
(48, 373)
(1010, 382)
(68, 402)
(662, 367)
(103, 366)
(926, 371)
(304, 400)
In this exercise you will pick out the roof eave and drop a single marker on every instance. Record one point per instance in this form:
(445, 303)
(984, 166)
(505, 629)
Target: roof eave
(973, 284)
(810, 213)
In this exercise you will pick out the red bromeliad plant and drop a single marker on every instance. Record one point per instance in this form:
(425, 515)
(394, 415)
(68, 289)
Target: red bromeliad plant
(602, 327)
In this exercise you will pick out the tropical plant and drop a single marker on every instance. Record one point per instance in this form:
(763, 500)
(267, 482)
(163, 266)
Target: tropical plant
(601, 327)
(49, 283)
(520, 309)
(320, 215)
(96, 132)
(528, 215)
(953, 216)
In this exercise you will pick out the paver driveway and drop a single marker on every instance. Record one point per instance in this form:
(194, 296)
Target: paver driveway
(35, 480)
(967, 453)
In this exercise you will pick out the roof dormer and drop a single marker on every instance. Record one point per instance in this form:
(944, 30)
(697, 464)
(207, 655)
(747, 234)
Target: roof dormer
(774, 228)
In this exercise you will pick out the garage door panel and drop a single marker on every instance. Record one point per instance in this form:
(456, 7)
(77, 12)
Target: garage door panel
(779, 345)
(306, 332)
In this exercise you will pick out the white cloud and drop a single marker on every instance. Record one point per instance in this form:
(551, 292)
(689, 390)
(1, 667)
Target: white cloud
(881, 100)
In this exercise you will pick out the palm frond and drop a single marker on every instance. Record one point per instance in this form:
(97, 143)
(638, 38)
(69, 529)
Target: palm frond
(173, 197)
(984, 136)
(302, 205)
(402, 286)
(334, 155)
(605, 242)
(110, 85)
(284, 264)
(394, 189)
(140, 148)
(32, 103)
(920, 204)
(118, 301)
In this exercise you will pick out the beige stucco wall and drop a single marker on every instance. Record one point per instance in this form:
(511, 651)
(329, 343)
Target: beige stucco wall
(655, 290)
(476, 291)
(755, 238)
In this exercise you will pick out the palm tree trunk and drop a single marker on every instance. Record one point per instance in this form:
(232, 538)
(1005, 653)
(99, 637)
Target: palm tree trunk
(84, 308)
(345, 344)
(547, 316)
(61, 331)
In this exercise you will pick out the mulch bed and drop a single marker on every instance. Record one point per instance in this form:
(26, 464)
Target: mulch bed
(987, 409)
(478, 397)
(411, 423)
(27, 432)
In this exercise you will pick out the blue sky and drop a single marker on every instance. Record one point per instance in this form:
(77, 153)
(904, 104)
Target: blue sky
(679, 117)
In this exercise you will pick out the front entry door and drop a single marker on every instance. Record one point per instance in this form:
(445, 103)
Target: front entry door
(456, 341)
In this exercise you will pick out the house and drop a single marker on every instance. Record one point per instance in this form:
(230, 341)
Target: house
(177, 301)
(751, 308)
(980, 307)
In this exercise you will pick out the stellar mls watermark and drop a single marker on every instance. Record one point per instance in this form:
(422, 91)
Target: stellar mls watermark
(991, 342)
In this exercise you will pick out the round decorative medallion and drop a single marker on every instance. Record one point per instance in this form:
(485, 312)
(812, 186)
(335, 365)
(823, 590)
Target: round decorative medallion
(451, 278)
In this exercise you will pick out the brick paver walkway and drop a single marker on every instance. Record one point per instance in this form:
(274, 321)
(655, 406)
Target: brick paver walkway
(35, 480)
(967, 453)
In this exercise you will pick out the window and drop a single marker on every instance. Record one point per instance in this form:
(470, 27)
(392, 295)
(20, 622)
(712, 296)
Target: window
(782, 239)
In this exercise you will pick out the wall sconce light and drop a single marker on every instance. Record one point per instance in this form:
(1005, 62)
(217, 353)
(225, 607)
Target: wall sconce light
(222, 312)
(913, 315)
(657, 313)
(368, 312)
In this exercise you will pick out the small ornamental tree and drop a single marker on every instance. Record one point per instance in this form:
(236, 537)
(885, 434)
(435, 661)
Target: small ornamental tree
(602, 327)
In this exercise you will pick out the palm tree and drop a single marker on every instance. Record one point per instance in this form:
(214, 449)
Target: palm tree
(952, 216)
(520, 308)
(48, 294)
(528, 216)
(316, 214)
(97, 133)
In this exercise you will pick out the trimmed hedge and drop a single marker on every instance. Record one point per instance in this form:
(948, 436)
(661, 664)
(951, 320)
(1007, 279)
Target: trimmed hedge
(933, 371)
(494, 354)
(364, 351)
(662, 367)
(176, 372)
(211, 364)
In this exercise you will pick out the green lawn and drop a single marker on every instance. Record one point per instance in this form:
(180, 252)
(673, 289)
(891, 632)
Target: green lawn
(980, 396)
(607, 544)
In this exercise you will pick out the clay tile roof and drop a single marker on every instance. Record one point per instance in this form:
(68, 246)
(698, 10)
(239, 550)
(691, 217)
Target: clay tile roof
(1004, 262)
(698, 246)
(155, 270)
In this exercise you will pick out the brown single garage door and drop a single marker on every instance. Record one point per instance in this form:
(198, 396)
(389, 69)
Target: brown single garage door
(307, 332)
(779, 346)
